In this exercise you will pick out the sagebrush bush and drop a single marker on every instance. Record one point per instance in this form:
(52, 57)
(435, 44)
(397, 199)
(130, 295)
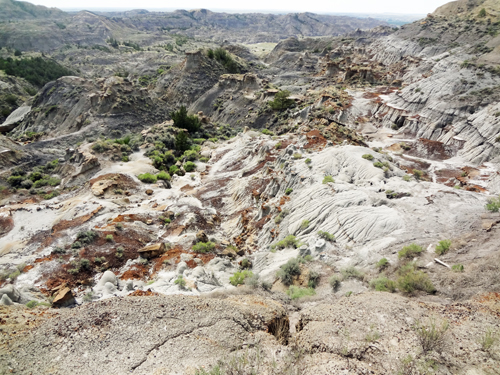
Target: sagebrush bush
(383, 284)
(180, 282)
(295, 292)
(288, 191)
(239, 277)
(287, 271)
(313, 280)
(431, 335)
(305, 224)
(443, 247)
(163, 176)
(493, 204)
(410, 251)
(412, 280)
(147, 178)
(328, 179)
(457, 268)
(352, 273)
(189, 166)
(288, 241)
(326, 236)
(203, 247)
(335, 281)
(367, 156)
(382, 264)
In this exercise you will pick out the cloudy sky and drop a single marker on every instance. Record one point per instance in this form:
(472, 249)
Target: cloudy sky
(317, 6)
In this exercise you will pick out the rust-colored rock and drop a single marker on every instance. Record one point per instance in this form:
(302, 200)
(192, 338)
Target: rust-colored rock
(152, 251)
(63, 298)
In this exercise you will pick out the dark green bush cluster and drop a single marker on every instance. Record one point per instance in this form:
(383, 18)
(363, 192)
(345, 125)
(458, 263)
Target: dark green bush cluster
(203, 247)
(326, 236)
(443, 247)
(147, 178)
(37, 178)
(287, 271)
(410, 251)
(36, 70)
(86, 237)
(225, 58)
(281, 101)
(239, 277)
(184, 121)
(288, 241)
(411, 280)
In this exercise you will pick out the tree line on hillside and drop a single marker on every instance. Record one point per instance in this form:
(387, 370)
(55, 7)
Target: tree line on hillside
(36, 70)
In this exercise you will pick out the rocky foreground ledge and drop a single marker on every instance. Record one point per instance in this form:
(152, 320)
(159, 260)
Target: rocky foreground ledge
(368, 333)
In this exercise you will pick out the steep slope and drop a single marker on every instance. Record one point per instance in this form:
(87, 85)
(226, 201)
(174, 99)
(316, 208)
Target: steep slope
(22, 10)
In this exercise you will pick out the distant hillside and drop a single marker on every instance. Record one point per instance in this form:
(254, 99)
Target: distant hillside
(472, 8)
(15, 10)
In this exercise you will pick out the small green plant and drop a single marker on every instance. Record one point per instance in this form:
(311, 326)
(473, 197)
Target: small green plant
(297, 156)
(418, 174)
(382, 264)
(288, 191)
(443, 247)
(335, 281)
(189, 166)
(203, 247)
(431, 335)
(308, 161)
(119, 252)
(326, 236)
(163, 176)
(119, 226)
(76, 245)
(88, 297)
(372, 336)
(368, 156)
(147, 178)
(348, 294)
(328, 179)
(412, 280)
(99, 260)
(31, 304)
(482, 13)
(288, 241)
(493, 204)
(180, 282)
(313, 280)
(109, 238)
(281, 101)
(488, 340)
(457, 268)
(295, 292)
(410, 251)
(407, 178)
(288, 271)
(239, 277)
(245, 263)
(277, 146)
(352, 273)
(383, 284)
(266, 132)
(305, 224)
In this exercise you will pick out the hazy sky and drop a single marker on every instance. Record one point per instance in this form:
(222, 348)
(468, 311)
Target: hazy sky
(317, 6)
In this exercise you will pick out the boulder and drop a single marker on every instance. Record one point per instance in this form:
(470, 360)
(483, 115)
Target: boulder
(11, 292)
(229, 252)
(64, 298)
(149, 192)
(201, 236)
(5, 300)
(152, 251)
(108, 276)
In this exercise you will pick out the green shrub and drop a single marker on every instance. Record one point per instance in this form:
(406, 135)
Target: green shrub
(180, 282)
(308, 161)
(225, 58)
(119, 252)
(76, 245)
(109, 238)
(328, 179)
(119, 226)
(266, 132)
(297, 156)
(50, 195)
(174, 169)
(305, 224)
(86, 237)
(410, 251)
(191, 155)
(288, 191)
(457, 268)
(203, 247)
(163, 176)
(288, 241)
(367, 156)
(182, 142)
(15, 181)
(352, 273)
(31, 304)
(147, 178)
(382, 264)
(493, 204)
(277, 146)
(295, 292)
(36, 70)
(413, 280)
(407, 178)
(443, 247)
(239, 277)
(482, 13)
(488, 340)
(84, 264)
(335, 281)
(281, 101)
(326, 236)
(418, 174)
(313, 280)
(287, 271)
(245, 263)
(189, 166)
(184, 121)
(281, 216)
(432, 335)
(383, 284)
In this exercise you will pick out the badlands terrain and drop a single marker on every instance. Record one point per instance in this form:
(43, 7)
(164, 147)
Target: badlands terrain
(202, 193)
